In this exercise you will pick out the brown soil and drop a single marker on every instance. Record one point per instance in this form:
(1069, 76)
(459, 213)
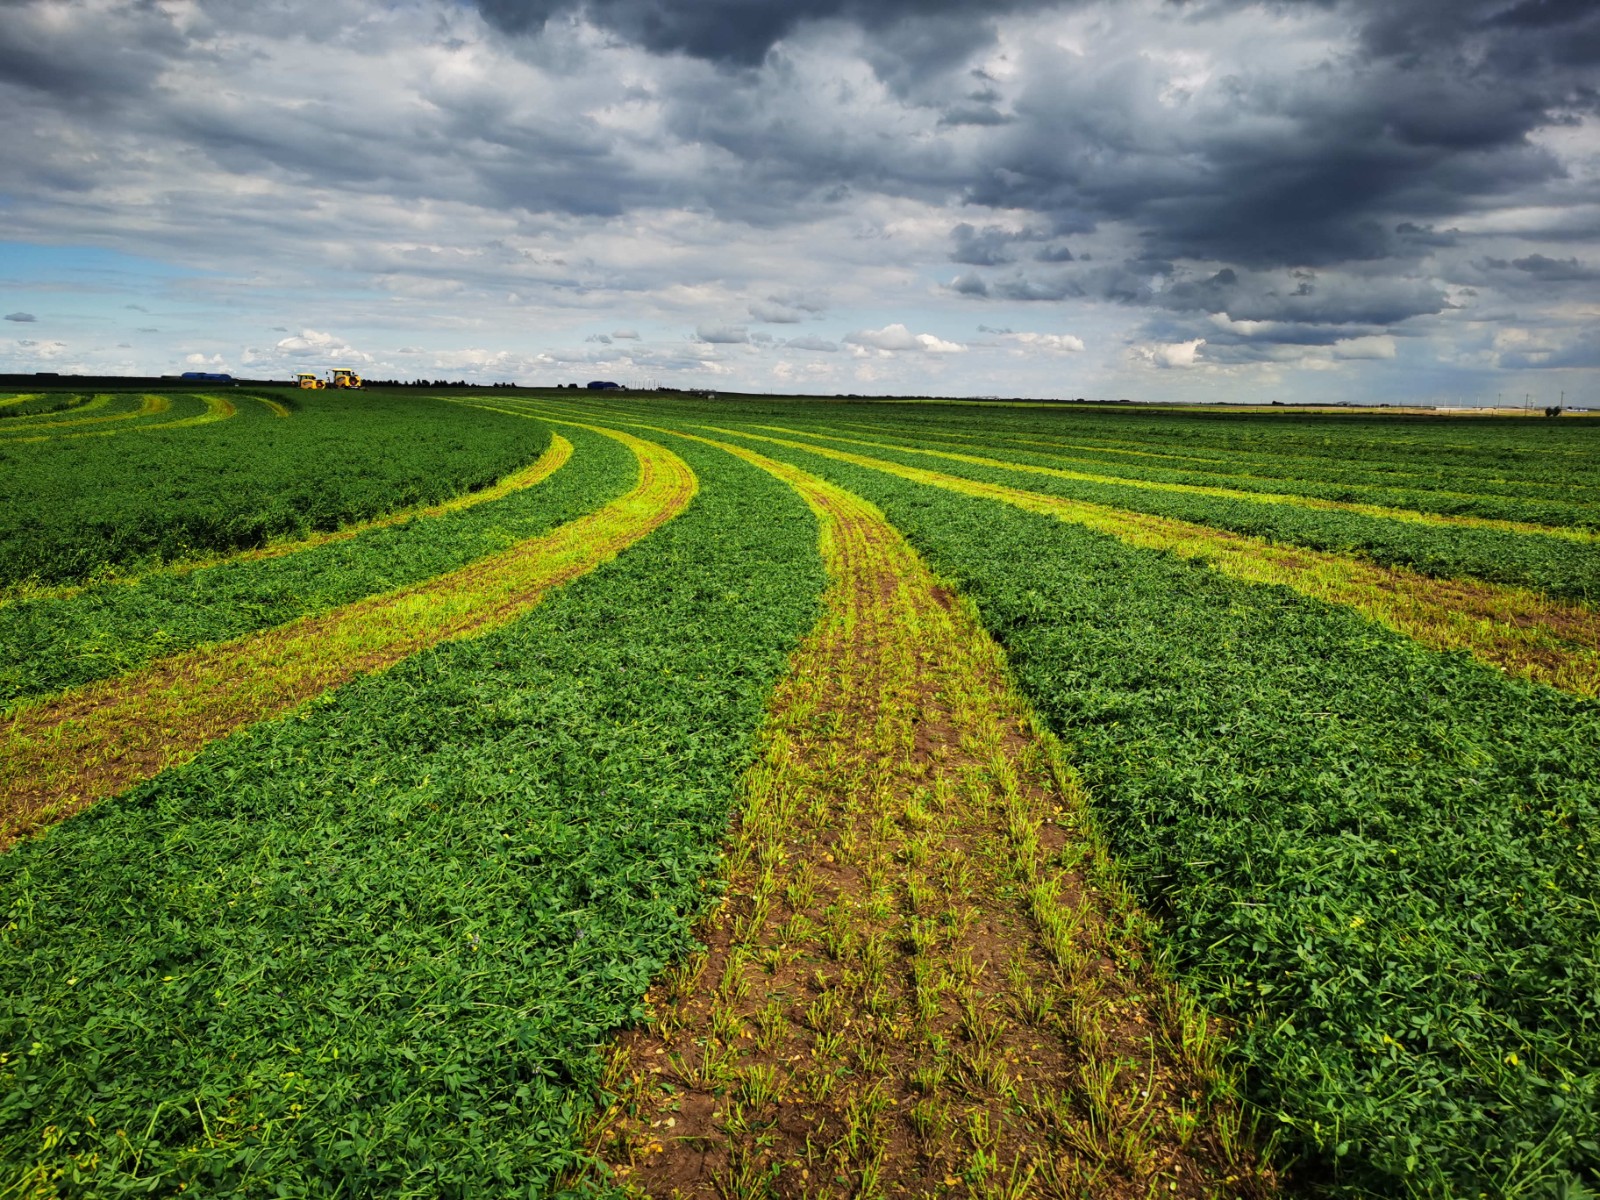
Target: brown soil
(924, 980)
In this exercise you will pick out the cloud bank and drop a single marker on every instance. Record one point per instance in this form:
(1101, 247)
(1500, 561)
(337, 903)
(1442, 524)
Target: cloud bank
(1393, 197)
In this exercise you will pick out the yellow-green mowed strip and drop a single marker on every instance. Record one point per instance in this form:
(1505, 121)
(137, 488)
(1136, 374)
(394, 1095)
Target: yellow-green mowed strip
(213, 408)
(1414, 516)
(146, 406)
(63, 754)
(556, 456)
(1515, 629)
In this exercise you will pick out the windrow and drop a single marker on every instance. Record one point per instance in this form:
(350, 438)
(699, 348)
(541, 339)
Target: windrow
(1210, 489)
(45, 427)
(62, 754)
(1559, 562)
(1545, 503)
(368, 949)
(1379, 859)
(922, 976)
(75, 511)
(40, 404)
(1516, 630)
(69, 639)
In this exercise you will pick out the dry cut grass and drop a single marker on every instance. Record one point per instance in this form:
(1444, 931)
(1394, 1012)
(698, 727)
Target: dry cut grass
(1515, 629)
(1409, 515)
(64, 753)
(924, 979)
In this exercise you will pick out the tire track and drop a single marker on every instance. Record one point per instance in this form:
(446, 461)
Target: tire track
(924, 979)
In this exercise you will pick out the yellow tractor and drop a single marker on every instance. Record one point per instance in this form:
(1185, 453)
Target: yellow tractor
(340, 377)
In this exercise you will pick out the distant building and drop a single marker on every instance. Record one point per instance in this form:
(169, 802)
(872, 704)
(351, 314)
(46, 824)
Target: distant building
(601, 385)
(207, 376)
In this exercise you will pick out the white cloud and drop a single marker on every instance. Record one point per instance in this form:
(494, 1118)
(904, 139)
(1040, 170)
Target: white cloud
(1378, 346)
(897, 338)
(722, 335)
(1170, 355)
(1060, 343)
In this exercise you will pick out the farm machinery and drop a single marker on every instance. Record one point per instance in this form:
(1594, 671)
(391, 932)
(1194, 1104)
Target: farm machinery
(338, 378)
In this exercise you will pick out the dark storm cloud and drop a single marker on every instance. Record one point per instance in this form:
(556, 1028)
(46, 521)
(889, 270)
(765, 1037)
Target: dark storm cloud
(21, 317)
(134, 44)
(1553, 270)
(985, 247)
(1429, 115)
(740, 32)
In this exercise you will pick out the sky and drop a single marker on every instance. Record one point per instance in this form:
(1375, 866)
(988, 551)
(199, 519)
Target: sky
(1392, 201)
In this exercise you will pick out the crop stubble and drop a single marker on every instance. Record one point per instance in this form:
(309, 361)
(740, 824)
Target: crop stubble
(924, 980)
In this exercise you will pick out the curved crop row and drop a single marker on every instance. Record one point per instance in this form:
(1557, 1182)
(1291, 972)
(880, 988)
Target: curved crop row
(56, 641)
(553, 459)
(37, 404)
(1377, 857)
(1558, 567)
(213, 409)
(125, 408)
(1515, 630)
(1491, 456)
(369, 949)
(75, 511)
(1222, 493)
(63, 754)
(1548, 503)
(892, 967)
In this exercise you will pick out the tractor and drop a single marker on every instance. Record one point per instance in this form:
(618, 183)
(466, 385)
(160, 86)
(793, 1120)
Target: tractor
(339, 377)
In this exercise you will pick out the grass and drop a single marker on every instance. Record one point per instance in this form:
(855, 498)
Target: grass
(1387, 512)
(1088, 847)
(63, 754)
(1514, 629)
(369, 949)
(881, 999)
(1375, 857)
(70, 637)
(79, 510)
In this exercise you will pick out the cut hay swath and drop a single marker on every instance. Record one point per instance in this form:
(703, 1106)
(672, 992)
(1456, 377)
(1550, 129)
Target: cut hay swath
(213, 408)
(65, 753)
(1367, 510)
(42, 427)
(1514, 629)
(924, 975)
(556, 456)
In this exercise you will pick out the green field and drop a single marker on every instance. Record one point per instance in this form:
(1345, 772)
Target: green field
(524, 792)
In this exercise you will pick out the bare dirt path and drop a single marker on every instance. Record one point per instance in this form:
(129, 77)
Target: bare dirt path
(925, 979)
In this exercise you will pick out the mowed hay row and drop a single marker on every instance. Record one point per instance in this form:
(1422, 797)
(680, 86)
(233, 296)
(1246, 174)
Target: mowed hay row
(122, 408)
(1514, 629)
(924, 979)
(1385, 512)
(212, 409)
(62, 754)
(555, 456)
(1268, 470)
